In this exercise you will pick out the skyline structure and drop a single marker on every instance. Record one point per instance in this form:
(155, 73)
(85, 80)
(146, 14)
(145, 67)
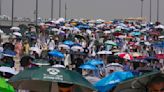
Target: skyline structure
(104, 9)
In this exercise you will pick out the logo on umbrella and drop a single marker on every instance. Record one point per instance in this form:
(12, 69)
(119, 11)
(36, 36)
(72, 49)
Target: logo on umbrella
(53, 71)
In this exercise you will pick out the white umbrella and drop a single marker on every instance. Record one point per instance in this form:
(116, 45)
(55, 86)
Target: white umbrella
(107, 32)
(17, 34)
(8, 70)
(77, 48)
(58, 66)
(114, 67)
(147, 43)
(92, 79)
(1, 31)
(104, 52)
(64, 46)
(15, 28)
(36, 49)
(160, 26)
(161, 37)
(55, 30)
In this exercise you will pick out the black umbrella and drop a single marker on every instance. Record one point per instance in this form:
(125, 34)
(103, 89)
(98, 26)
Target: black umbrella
(137, 83)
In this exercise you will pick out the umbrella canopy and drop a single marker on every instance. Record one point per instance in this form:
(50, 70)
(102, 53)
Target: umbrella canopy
(9, 53)
(135, 54)
(114, 67)
(17, 34)
(126, 56)
(92, 79)
(68, 42)
(43, 79)
(36, 49)
(5, 87)
(15, 28)
(64, 46)
(138, 82)
(56, 53)
(110, 43)
(77, 48)
(8, 70)
(160, 26)
(107, 83)
(94, 62)
(40, 62)
(1, 31)
(58, 66)
(88, 67)
(104, 52)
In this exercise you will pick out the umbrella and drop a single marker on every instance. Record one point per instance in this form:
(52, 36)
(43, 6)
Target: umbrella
(64, 46)
(68, 42)
(79, 36)
(107, 83)
(77, 48)
(40, 62)
(94, 62)
(161, 37)
(138, 82)
(110, 43)
(114, 67)
(55, 30)
(9, 53)
(92, 79)
(160, 27)
(58, 66)
(1, 31)
(8, 70)
(36, 49)
(126, 56)
(104, 52)
(88, 67)
(135, 54)
(45, 79)
(5, 87)
(56, 53)
(17, 34)
(136, 33)
(15, 28)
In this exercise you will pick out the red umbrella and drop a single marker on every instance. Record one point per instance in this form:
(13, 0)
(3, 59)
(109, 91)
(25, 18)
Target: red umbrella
(117, 34)
(126, 56)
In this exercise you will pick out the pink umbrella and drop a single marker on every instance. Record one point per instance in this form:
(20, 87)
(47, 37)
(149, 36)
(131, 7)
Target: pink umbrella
(126, 56)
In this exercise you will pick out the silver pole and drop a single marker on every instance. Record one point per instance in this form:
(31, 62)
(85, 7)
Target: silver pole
(0, 7)
(142, 8)
(157, 10)
(12, 13)
(150, 10)
(36, 16)
(52, 9)
(65, 10)
(59, 8)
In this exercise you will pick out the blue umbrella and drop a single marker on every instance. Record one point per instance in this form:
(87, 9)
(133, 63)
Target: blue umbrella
(94, 62)
(68, 42)
(88, 67)
(107, 83)
(9, 53)
(56, 53)
(136, 33)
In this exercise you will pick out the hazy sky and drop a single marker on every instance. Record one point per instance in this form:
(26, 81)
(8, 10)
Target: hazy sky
(105, 9)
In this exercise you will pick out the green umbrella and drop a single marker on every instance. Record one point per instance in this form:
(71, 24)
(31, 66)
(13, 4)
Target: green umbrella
(137, 83)
(44, 79)
(5, 87)
(109, 42)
